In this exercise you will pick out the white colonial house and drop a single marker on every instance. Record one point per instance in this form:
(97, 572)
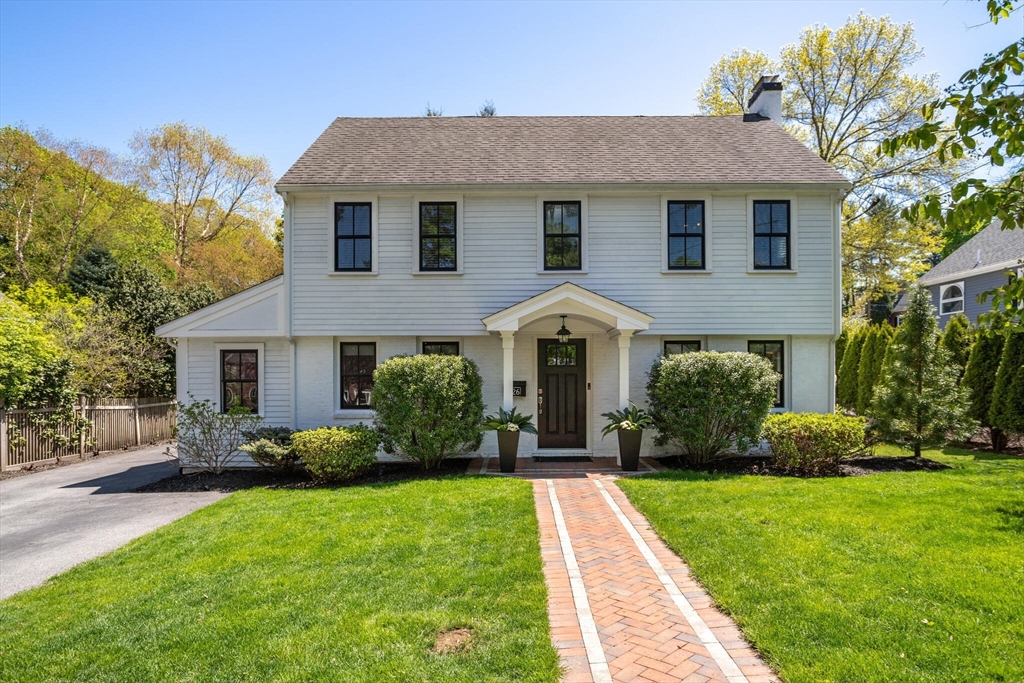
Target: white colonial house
(484, 237)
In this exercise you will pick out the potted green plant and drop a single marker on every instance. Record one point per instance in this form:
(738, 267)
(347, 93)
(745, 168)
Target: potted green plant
(508, 424)
(630, 423)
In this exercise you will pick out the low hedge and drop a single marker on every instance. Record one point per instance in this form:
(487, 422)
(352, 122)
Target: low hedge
(812, 442)
(336, 453)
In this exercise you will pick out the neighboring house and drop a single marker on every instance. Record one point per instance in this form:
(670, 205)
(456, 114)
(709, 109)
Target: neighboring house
(479, 236)
(984, 262)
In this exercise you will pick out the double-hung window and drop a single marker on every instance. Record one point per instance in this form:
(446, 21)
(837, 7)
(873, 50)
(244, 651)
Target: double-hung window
(358, 361)
(772, 350)
(440, 348)
(686, 235)
(239, 380)
(562, 236)
(771, 235)
(675, 347)
(438, 236)
(353, 243)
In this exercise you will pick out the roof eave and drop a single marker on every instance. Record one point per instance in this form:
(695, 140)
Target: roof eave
(827, 186)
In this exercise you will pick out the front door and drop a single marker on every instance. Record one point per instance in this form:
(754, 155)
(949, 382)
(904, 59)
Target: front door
(562, 394)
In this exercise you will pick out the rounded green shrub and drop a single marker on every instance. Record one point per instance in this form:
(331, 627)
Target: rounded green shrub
(271, 447)
(429, 407)
(811, 442)
(336, 453)
(707, 403)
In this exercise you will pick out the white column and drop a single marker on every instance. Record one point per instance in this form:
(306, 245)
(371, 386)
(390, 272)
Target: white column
(624, 338)
(507, 345)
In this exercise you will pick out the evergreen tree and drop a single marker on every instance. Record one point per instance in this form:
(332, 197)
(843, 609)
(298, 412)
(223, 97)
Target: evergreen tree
(849, 372)
(980, 380)
(92, 274)
(872, 355)
(958, 340)
(841, 342)
(917, 400)
(1007, 411)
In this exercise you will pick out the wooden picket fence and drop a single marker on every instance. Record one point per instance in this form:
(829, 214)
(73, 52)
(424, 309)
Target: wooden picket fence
(116, 423)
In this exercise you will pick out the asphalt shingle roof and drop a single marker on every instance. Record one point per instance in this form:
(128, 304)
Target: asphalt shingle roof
(990, 246)
(557, 149)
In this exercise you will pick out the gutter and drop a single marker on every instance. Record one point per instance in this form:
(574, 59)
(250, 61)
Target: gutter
(288, 308)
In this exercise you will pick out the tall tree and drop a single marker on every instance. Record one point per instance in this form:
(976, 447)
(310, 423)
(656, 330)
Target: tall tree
(917, 400)
(24, 171)
(957, 338)
(730, 83)
(204, 185)
(1007, 410)
(980, 380)
(849, 372)
(872, 356)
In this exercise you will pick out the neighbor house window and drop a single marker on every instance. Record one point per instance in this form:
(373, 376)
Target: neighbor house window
(441, 348)
(951, 298)
(358, 361)
(239, 380)
(686, 235)
(437, 236)
(772, 350)
(771, 234)
(353, 243)
(674, 347)
(562, 235)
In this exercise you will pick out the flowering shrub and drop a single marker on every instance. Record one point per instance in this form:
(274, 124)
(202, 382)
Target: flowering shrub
(208, 438)
(812, 443)
(336, 453)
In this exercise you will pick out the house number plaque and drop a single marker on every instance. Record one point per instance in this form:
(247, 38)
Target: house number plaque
(519, 388)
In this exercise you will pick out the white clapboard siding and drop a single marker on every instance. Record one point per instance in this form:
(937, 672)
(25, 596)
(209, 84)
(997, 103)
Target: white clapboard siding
(202, 376)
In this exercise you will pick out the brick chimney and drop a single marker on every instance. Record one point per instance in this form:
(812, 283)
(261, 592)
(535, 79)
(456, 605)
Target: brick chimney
(767, 99)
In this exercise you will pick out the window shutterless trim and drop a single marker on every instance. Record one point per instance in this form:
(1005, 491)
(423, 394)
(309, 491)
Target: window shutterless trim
(578, 235)
(772, 235)
(782, 363)
(342, 375)
(353, 237)
(962, 299)
(437, 345)
(224, 381)
(686, 235)
(454, 237)
(681, 342)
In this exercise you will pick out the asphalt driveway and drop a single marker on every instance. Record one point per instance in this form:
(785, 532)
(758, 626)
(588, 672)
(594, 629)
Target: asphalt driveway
(52, 520)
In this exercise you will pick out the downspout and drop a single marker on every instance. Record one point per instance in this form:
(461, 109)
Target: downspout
(288, 308)
(837, 294)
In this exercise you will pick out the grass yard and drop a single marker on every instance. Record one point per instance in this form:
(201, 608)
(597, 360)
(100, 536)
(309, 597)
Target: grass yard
(348, 584)
(913, 576)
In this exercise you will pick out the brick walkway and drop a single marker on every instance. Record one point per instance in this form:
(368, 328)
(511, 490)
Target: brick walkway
(622, 606)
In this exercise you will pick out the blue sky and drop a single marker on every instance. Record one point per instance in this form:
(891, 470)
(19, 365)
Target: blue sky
(271, 76)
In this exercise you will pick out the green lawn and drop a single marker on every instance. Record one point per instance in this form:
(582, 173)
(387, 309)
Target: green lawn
(889, 577)
(348, 584)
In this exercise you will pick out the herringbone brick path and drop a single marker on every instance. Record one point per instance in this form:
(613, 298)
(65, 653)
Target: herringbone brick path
(653, 622)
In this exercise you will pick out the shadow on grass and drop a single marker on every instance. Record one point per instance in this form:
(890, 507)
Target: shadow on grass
(1012, 517)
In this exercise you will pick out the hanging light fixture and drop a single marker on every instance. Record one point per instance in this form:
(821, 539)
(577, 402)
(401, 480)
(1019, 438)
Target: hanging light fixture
(563, 334)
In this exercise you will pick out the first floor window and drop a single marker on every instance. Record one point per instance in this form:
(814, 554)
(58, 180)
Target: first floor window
(562, 234)
(239, 380)
(353, 243)
(772, 350)
(771, 234)
(686, 235)
(437, 236)
(441, 348)
(358, 361)
(674, 347)
(951, 298)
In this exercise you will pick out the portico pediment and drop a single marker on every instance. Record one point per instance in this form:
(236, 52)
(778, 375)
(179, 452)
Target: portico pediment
(572, 300)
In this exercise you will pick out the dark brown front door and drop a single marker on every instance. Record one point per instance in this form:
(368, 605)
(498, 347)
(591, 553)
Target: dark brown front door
(562, 394)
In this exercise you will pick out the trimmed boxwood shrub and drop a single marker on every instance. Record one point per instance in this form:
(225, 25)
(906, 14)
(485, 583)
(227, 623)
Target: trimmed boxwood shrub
(707, 403)
(428, 407)
(811, 442)
(336, 453)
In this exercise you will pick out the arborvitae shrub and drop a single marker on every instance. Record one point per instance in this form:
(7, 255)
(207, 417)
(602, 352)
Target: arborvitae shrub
(872, 354)
(850, 371)
(1007, 411)
(958, 338)
(979, 381)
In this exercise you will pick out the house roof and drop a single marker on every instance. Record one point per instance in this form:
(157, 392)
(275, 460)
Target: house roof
(557, 149)
(989, 250)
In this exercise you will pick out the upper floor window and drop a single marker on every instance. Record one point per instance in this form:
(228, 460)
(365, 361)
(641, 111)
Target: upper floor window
(772, 350)
(771, 234)
(674, 347)
(239, 380)
(438, 238)
(685, 235)
(951, 298)
(358, 361)
(440, 348)
(353, 243)
(562, 236)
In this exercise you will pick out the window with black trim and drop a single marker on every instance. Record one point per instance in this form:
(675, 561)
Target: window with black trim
(772, 350)
(438, 237)
(771, 234)
(562, 236)
(441, 348)
(686, 235)
(358, 361)
(674, 347)
(353, 243)
(239, 380)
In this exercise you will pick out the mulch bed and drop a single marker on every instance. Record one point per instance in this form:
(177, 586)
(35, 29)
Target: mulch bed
(238, 480)
(854, 467)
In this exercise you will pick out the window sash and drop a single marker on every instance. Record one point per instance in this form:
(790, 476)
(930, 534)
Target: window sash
(353, 236)
(774, 351)
(685, 346)
(686, 230)
(438, 236)
(772, 234)
(358, 361)
(440, 348)
(563, 236)
(951, 299)
(239, 379)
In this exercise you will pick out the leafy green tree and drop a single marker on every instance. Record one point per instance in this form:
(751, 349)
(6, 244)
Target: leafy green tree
(92, 274)
(730, 84)
(917, 400)
(980, 381)
(25, 350)
(849, 373)
(1007, 410)
(958, 338)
